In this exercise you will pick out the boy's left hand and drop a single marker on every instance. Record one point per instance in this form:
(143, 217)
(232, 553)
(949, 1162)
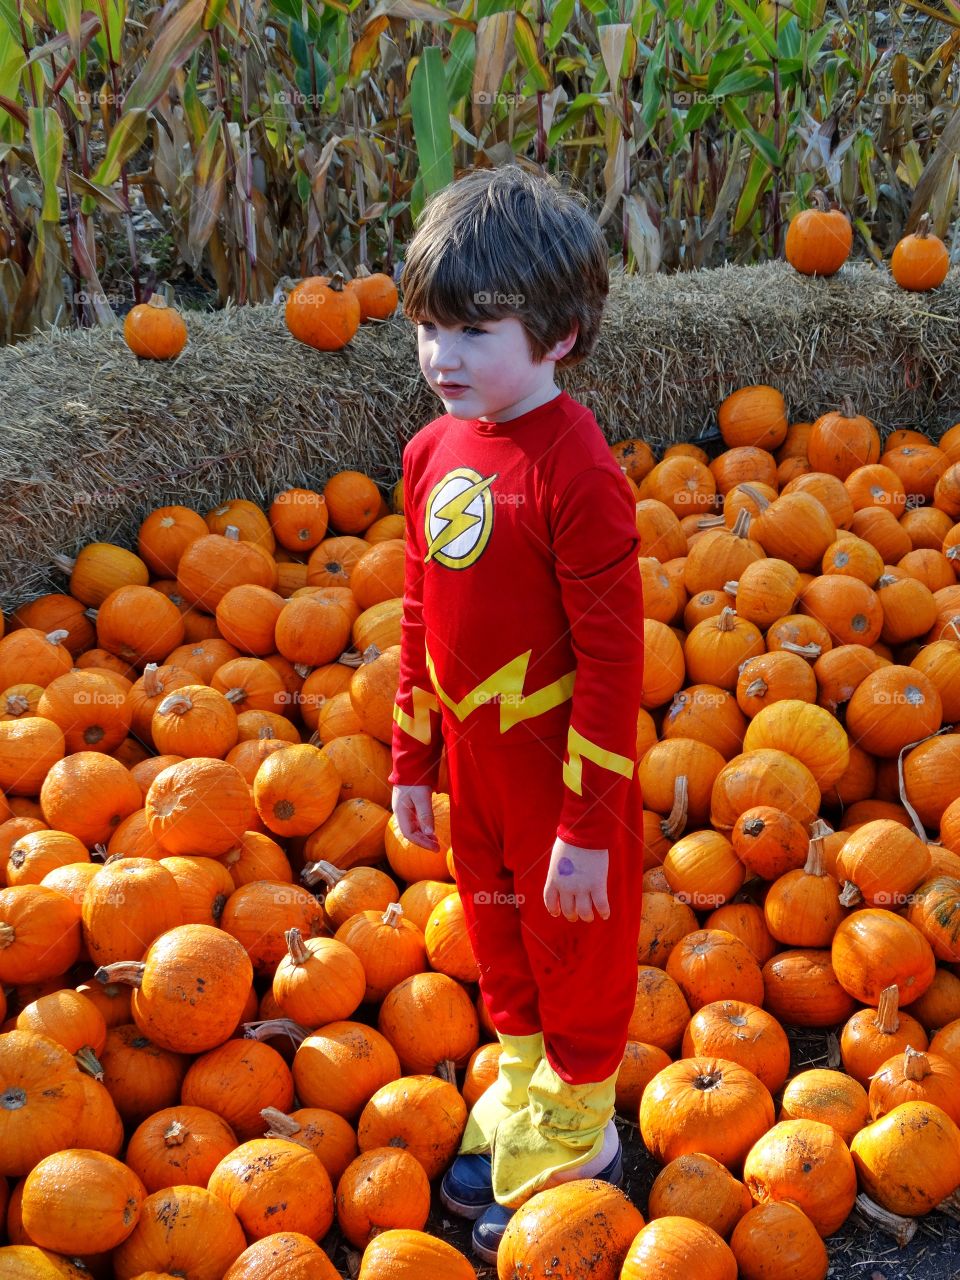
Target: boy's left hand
(577, 882)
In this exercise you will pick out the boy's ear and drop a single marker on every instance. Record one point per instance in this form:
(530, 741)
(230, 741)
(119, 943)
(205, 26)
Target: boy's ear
(561, 348)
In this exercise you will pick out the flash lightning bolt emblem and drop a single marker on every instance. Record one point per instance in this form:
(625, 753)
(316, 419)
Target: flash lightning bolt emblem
(459, 518)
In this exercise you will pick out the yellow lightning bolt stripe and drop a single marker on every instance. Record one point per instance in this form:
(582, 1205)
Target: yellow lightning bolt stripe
(579, 749)
(417, 725)
(459, 519)
(507, 685)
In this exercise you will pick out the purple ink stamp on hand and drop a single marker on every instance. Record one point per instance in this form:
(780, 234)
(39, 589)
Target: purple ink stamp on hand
(565, 866)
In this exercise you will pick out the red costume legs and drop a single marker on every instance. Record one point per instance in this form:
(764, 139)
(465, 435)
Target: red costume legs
(574, 982)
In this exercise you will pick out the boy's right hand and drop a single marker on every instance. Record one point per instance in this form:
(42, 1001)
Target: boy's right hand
(413, 808)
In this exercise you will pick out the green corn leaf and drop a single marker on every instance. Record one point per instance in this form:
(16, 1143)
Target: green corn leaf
(125, 139)
(213, 13)
(698, 114)
(734, 113)
(196, 113)
(525, 41)
(726, 61)
(866, 153)
(809, 12)
(575, 111)
(788, 40)
(766, 147)
(652, 94)
(696, 18)
(431, 121)
(46, 143)
(759, 174)
(106, 197)
(559, 22)
(755, 25)
(461, 59)
(744, 82)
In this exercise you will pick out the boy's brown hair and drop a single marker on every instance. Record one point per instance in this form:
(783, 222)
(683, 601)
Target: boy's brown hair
(505, 242)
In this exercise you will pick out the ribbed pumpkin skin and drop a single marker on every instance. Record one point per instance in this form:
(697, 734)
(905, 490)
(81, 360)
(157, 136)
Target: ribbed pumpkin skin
(697, 1186)
(807, 1162)
(45, 1077)
(77, 1202)
(578, 1228)
(270, 1183)
(196, 968)
(183, 1230)
(384, 1187)
(412, 1255)
(679, 1246)
(778, 1242)
(179, 1146)
(909, 1159)
(704, 1104)
(284, 1255)
(422, 1114)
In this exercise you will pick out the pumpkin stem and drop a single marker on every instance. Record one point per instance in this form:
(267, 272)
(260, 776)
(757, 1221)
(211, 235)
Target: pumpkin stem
(176, 1134)
(676, 820)
(64, 563)
(727, 619)
(887, 1018)
(732, 587)
(129, 973)
(916, 1065)
(350, 658)
(275, 1027)
(923, 226)
(902, 1229)
(264, 732)
(151, 685)
(885, 580)
(810, 650)
(814, 863)
(302, 669)
(847, 407)
(393, 915)
(447, 1070)
(710, 522)
(325, 871)
(370, 654)
(362, 272)
(88, 1061)
(756, 688)
(753, 826)
(337, 282)
(708, 1080)
(56, 637)
(741, 526)
(755, 495)
(951, 1205)
(282, 1124)
(17, 705)
(232, 532)
(818, 198)
(296, 950)
(157, 300)
(850, 895)
(7, 935)
(175, 704)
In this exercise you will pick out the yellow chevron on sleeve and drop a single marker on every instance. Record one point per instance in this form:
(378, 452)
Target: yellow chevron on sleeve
(417, 725)
(579, 749)
(506, 686)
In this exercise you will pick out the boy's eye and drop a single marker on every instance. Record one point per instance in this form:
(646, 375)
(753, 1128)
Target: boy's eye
(467, 328)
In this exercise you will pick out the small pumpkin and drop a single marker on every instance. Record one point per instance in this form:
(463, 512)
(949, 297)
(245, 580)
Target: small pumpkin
(818, 240)
(383, 1188)
(179, 1146)
(808, 1163)
(777, 1241)
(283, 1255)
(421, 1114)
(322, 312)
(579, 1228)
(909, 1159)
(920, 260)
(376, 293)
(319, 980)
(275, 1185)
(181, 1229)
(79, 1202)
(154, 330)
(678, 1245)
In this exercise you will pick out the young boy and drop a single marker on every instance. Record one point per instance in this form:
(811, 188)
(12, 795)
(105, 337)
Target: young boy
(522, 645)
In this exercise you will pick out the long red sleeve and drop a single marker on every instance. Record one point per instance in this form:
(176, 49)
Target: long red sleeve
(416, 722)
(523, 613)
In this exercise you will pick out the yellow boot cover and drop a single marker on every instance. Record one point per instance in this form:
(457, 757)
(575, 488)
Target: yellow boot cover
(507, 1094)
(561, 1127)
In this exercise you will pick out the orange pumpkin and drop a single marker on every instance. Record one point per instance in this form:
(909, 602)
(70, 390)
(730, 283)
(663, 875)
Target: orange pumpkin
(818, 240)
(322, 312)
(920, 260)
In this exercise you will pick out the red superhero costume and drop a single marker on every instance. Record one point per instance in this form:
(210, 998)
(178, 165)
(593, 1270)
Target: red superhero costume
(523, 637)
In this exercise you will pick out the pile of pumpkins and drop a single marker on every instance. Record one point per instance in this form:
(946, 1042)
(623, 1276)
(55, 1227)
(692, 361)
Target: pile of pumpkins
(324, 312)
(240, 1007)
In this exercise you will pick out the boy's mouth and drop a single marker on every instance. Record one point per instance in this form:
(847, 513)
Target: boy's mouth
(452, 386)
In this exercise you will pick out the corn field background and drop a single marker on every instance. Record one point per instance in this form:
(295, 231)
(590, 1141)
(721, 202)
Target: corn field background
(222, 145)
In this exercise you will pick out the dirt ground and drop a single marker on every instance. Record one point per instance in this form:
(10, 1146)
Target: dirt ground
(858, 1251)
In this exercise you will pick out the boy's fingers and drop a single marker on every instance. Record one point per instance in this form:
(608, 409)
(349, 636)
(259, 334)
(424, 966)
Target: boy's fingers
(601, 904)
(584, 907)
(551, 899)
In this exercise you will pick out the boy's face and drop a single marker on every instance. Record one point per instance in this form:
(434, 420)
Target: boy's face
(485, 370)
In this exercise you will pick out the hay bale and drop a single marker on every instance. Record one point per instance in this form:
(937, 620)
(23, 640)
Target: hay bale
(92, 439)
